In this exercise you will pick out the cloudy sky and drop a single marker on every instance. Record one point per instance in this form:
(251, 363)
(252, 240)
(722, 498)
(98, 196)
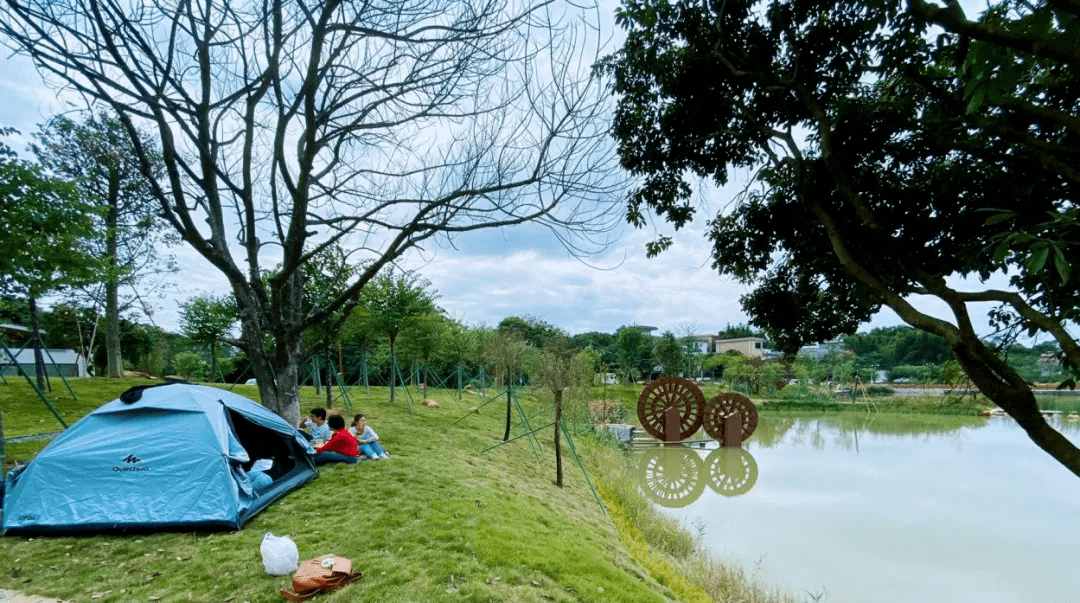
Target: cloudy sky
(490, 275)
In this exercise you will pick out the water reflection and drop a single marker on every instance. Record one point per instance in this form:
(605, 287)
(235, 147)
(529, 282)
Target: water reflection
(844, 429)
(878, 508)
(676, 476)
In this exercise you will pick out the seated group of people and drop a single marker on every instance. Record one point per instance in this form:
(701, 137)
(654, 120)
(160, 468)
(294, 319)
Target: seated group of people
(339, 445)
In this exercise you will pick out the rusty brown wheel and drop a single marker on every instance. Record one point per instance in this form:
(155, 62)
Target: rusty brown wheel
(732, 471)
(680, 394)
(671, 477)
(725, 405)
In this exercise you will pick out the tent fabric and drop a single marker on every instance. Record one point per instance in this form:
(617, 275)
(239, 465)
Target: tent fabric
(173, 457)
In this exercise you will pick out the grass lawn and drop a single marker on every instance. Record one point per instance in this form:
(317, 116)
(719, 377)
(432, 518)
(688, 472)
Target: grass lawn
(439, 521)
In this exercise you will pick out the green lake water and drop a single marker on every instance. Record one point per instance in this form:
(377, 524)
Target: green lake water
(879, 508)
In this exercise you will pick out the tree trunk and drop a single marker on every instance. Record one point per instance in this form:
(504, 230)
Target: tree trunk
(509, 402)
(114, 365)
(39, 358)
(329, 379)
(213, 362)
(277, 376)
(1002, 385)
(364, 369)
(393, 367)
(558, 446)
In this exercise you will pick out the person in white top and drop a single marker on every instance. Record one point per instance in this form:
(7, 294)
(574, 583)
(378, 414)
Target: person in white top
(367, 439)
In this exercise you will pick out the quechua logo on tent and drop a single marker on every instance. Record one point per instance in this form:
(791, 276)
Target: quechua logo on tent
(131, 463)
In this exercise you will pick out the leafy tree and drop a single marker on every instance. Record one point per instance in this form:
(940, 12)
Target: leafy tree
(530, 329)
(43, 244)
(190, 365)
(383, 126)
(740, 330)
(669, 353)
(392, 300)
(208, 320)
(894, 144)
(632, 347)
(899, 345)
(604, 343)
(462, 346)
(424, 337)
(326, 276)
(361, 331)
(98, 157)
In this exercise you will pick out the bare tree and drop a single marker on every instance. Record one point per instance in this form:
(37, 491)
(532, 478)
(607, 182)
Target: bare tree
(557, 369)
(286, 127)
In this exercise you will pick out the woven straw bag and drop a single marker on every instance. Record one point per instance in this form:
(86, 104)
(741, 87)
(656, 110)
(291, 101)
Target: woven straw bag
(321, 575)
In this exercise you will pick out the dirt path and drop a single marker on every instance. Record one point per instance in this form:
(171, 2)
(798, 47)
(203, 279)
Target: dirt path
(14, 596)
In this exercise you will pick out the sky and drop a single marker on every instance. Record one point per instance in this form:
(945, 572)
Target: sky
(490, 275)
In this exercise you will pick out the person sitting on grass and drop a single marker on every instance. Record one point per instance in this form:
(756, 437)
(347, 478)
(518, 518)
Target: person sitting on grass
(341, 448)
(367, 439)
(316, 422)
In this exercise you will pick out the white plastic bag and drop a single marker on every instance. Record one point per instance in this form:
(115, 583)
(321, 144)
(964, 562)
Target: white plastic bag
(279, 555)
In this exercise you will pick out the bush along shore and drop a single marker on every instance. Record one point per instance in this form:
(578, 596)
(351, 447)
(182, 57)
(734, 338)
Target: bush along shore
(453, 515)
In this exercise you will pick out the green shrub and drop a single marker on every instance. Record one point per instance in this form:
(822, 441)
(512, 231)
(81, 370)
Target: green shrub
(879, 391)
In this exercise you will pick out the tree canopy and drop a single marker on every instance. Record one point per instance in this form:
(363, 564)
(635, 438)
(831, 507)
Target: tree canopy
(44, 243)
(97, 157)
(384, 127)
(895, 148)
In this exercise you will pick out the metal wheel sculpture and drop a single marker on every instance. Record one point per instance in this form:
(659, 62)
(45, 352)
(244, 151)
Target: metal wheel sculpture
(727, 404)
(671, 392)
(732, 471)
(671, 477)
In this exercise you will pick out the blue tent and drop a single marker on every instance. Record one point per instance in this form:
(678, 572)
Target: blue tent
(170, 456)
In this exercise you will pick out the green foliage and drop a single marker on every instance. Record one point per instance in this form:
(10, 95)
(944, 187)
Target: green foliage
(47, 226)
(504, 354)
(96, 154)
(921, 373)
(887, 347)
(391, 300)
(206, 319)
(893, 145)
(192, 366)
(669, 353)
(530, 329)
(735, 331)
(632, 352)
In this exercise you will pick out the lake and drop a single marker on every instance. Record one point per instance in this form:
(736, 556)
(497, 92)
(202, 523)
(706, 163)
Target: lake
(877, 508)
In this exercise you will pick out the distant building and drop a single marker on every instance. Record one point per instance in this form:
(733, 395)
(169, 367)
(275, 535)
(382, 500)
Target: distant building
(58, 362)
(821, 350)
(700, 344)
(753, 347)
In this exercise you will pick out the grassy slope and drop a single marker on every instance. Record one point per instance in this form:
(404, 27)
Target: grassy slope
(439, 521)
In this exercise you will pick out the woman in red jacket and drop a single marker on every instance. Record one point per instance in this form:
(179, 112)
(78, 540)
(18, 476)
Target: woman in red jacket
(342, 446)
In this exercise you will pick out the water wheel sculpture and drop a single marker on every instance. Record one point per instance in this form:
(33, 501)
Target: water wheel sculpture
(671, 409)
(671, 477)
(730, 419)
(731, 471)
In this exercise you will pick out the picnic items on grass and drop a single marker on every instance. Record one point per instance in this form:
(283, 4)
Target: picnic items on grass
(321, 575)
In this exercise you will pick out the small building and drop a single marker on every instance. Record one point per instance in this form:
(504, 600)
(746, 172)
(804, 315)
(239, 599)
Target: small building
(754, 347)
(58, 362)
(700, 344)
(821, 350)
